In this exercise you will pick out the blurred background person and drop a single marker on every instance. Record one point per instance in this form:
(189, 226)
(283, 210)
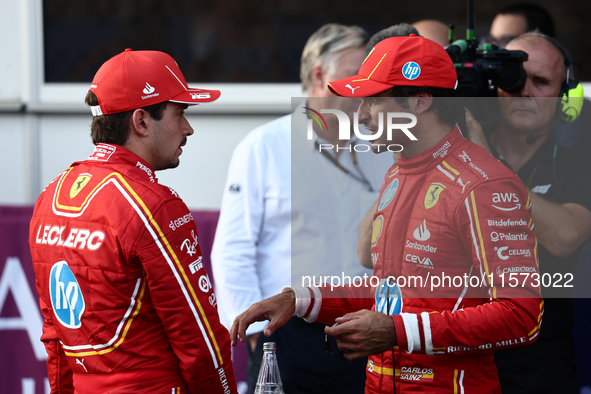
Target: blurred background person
(559, 193)
(433, 30)
(269, 229)
(517, 19)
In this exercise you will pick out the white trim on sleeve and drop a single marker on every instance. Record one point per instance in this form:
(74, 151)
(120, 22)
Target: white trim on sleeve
(411, 326)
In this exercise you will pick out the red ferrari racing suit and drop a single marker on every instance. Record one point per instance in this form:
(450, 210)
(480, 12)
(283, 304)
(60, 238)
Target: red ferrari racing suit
(127, 303)
(453, 231)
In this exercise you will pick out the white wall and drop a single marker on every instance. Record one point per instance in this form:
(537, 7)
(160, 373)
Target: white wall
(199, 179)
(64, 139)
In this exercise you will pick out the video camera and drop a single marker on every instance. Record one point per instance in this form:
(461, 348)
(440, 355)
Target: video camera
(481, 70)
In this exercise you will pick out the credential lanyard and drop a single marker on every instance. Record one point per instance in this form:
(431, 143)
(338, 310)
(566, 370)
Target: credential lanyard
(334, 161)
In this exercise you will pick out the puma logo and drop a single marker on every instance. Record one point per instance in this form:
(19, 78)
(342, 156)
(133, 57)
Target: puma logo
(352, 88)
(81, 363)
(462, 184)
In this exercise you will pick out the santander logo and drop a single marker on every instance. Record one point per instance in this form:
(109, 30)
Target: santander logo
(421, 233)
(149, 89)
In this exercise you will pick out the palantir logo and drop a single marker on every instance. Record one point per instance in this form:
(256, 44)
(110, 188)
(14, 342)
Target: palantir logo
(411, 70)
(66, 297)
(149, 89)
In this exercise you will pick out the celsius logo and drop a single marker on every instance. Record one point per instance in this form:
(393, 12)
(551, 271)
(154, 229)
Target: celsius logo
(500, 252)
(66, 298)
(421, 233)
(512, 252)
(411, 70)
(345, 128)
(148, 89)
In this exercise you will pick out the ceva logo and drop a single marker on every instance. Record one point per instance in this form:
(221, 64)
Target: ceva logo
(67, 300)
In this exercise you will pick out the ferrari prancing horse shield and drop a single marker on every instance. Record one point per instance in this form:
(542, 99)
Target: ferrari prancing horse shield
(432, 195)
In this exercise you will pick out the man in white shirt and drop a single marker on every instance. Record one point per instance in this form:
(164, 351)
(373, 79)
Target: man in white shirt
(311, 200)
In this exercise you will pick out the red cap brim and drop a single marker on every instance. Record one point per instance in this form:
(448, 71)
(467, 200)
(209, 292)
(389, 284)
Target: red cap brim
(196, 96)
(357, 86)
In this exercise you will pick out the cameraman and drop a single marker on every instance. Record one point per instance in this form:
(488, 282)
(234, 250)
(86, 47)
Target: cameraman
(559, 189)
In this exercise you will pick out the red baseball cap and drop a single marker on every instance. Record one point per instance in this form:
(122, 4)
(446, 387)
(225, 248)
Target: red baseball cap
(400, 61)
(135, 79)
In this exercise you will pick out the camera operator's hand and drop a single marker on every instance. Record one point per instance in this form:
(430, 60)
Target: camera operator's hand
(474, 132)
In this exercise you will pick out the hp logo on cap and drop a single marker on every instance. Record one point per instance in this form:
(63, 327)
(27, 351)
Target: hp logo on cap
(411, 70)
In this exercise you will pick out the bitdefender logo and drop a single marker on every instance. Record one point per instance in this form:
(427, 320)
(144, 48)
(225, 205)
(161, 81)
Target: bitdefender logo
(345, 128)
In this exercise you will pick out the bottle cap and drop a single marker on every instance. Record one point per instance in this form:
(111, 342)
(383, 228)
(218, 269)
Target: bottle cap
(268, 346)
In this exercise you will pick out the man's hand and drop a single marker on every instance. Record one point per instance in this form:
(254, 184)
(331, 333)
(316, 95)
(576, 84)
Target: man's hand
(278, 310)
(363, 333)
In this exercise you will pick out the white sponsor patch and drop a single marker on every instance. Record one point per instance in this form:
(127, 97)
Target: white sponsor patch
(541, 189)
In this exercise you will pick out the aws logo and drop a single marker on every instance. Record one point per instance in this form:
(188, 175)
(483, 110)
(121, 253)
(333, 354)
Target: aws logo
(505, 198)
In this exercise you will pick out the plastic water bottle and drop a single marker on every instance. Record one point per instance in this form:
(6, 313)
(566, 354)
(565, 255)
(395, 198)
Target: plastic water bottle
(269, 380)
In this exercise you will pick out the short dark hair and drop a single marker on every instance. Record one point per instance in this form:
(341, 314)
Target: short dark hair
(114, 128)
(445, 104)
(535, 16)
(399, 30)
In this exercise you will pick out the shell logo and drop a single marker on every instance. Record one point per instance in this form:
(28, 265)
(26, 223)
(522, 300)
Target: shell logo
(376, 232)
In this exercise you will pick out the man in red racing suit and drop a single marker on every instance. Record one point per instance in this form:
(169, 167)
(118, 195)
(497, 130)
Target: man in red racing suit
(127, 303)
(454, 254)
(452, 217)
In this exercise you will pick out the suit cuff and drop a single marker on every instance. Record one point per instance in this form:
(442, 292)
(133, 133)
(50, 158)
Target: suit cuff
(308, 302)
(400, 332)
